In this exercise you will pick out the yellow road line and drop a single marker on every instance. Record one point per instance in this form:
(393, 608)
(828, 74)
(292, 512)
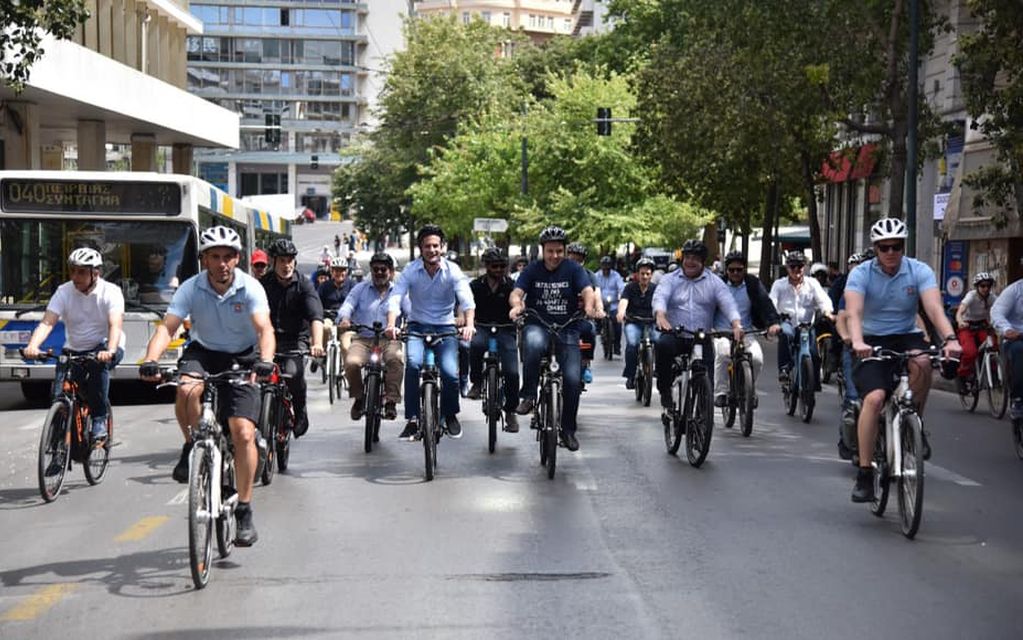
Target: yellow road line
(31, 607)
(142, 528)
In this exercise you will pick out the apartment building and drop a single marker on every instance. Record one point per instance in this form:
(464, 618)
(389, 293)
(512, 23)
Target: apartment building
(119, 81)
(539, 19)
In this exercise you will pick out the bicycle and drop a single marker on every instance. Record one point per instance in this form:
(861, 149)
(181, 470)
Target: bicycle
(831, 362)
(67, 431)
(212, 487)
(276, 420)
(898, 453)
(546, 419)
(692, 412)
(799, 388)
(493, 392)
(373, 386)
(988, 375)
(643, 379)
(430, 431)
(333, 368)
(742, 391)
(607, 331)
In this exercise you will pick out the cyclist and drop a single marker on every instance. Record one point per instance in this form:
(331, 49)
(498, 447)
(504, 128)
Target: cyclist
(689, 297)
(491, 292)
(1007, 320)
(332, 295)
(798, 298)
(325, 256)
(610, 284)
(366, 304)
(974, 319)
(819, 271)
(318, 277)
(259, 263)
(520, 264)
(851, 399)
(230, 322)
(93, 313)
(552, 287)
(297, 318)
(576, 252)
(755, 311)
(637, 301)
(433, 285)
(882, 297)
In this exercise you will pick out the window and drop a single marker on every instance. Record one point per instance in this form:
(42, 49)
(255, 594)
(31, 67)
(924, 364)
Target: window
(271, 50)
(506, 20)
(550, 22)
(485, 15)
(466, 17)
(347, 84)
(252, 50)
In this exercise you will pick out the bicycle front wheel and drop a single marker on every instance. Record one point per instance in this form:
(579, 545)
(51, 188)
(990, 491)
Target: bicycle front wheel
(428, 427)
(200, 520)
(53, 451)
(728, 412)
(997, 393)
(553, 427)
(747, 397)
(969, 394)
(911, 475)
(371, 415)
(647, 367)
(267, 420)
(331, 375)
(700, 423)
(493, 407)
(99, 456)
(673, 424)
(881, 473)
(225, 521)
(807, 396)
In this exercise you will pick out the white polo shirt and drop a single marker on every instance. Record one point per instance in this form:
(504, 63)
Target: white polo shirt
(86, 317)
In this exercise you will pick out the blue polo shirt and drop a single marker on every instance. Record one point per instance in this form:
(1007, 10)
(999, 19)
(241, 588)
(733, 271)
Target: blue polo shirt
(221, 322)
(890, 303)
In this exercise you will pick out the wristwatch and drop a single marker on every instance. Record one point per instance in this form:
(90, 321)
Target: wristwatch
(950, 337)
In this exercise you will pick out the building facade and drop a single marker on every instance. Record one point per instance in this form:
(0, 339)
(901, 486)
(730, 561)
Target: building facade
(589, 17)
(541, 20)
(119, 81)
(316, 65)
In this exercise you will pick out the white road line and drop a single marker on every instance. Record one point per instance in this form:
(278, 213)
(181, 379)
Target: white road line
(945, 474)
(180, 498)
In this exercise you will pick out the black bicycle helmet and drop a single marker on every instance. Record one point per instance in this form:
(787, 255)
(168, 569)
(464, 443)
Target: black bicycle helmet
(795, 257)
(735, 256)
(607, 261)
(382, 258)
(577, 248)
(493, 255)
(553, 233)
(695, 247)
(282, 247)
(429, 230)
(646, 262)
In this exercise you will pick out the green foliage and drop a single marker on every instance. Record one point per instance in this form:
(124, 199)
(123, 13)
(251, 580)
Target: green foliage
(22, 24)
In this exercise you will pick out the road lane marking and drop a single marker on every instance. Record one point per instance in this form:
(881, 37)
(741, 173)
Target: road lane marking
(142, 528)
(31, 607)
(946, 474)
(180, 498)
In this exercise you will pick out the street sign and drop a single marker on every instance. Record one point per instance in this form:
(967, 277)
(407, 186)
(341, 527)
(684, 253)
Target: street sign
(490, 225)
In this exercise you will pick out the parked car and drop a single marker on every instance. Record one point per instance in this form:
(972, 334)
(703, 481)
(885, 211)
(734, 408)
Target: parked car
(659, 255)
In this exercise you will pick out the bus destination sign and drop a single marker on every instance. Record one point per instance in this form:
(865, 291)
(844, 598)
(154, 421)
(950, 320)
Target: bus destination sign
(33, 195)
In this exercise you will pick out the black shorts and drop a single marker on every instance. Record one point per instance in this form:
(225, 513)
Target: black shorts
(869, 376)
(236, 401)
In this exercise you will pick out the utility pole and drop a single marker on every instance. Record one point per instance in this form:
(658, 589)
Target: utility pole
(911, 135)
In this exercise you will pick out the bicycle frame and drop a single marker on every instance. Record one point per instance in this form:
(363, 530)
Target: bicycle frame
(803, 330)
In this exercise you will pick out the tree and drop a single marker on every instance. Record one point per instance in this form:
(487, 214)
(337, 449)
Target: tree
(992, 69)
(22, 25)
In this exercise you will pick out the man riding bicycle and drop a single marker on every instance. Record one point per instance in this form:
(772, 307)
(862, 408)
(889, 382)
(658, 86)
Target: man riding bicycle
(850, 399)
(433, 286)
(1007, 320)
(974, 321)
(798, 298)
(637, 301)
(882, 298)
(93, 313)
(332, 295)
(610, 285)
(491, 292)
(689, 297)
(552, 287)
(365, 305)
(577, 252)
(755, 311)
(230, 324)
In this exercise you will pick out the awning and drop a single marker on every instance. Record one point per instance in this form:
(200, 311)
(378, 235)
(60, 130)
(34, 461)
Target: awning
(850, 164)
(961, 221)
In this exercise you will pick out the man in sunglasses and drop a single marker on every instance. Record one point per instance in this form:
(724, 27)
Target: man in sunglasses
(798, 298)
(882, 299)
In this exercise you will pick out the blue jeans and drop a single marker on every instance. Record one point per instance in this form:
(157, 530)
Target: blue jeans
(509, 354)
(1013, 354)
(534, 346)
(788, 347)
(446, 357)
(97, 390)
(633, 334)
(851, 395)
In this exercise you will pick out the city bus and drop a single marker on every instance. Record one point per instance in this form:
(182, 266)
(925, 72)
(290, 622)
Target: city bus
(146, 226)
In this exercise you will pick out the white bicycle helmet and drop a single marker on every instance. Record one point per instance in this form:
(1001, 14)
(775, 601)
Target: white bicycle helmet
(818, 267)
(338, 263)
(888, 229)
(855, 258)
(983, 276)
(219, 237)
(85, 257)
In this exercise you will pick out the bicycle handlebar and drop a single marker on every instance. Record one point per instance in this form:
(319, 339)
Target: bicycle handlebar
(639, 319)
(554, 327)
(70, 357)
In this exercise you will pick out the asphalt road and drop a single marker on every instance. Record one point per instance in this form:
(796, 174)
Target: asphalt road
(626, 541)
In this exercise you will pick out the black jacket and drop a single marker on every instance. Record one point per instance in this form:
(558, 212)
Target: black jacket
(761, 308)
(292, 307)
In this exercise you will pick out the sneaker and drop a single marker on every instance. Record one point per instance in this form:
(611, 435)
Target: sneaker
(246, 536)
(720, 400)
(666, 416)
(783, 376)
(630, 384)
(357, 407)
(453, 427)
(476, 392)
(569, 441)
(180, 473)
(525, 407)
(927, 445)
(511, 421)
(390, 411)
(587, 376)
(410, 432)
(1016, 409)
(99, 428)
(301, 426)
(863, 491)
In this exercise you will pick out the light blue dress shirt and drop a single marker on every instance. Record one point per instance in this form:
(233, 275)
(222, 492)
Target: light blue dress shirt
(433, 297)
(692, 302)
(1007, 311)
(610, 285)
(742, 304)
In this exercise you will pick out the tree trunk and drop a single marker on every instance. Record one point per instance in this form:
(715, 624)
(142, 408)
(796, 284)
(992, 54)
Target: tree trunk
(897, 172)
(811, 207)
(767, 244)
(710, 238)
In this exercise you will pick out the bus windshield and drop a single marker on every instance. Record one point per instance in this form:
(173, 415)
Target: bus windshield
(146, 259)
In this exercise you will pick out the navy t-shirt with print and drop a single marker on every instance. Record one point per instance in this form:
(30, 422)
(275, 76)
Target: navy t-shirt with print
(553, 294)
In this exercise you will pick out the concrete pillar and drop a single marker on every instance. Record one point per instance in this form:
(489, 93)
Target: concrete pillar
(21, 135)
(181, 159)
(119, 46)
(92, 145)
(232, 178)
(104, 24)
(293, 183)
(143, 152)
(163, 70)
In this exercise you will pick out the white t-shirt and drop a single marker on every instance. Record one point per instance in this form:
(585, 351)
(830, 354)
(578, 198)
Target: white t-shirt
(87, 317)
(800, 305)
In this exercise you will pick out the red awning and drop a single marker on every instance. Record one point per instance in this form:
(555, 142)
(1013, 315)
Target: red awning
(850, 164)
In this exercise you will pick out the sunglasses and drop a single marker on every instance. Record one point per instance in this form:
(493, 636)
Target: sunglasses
(796, 267)
(259, 266)
(885, 248)
(736, 269)
(380, 270)
(983, 286)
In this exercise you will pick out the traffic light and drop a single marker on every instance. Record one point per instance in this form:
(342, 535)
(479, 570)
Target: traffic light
(603, 121)
(314, 162)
